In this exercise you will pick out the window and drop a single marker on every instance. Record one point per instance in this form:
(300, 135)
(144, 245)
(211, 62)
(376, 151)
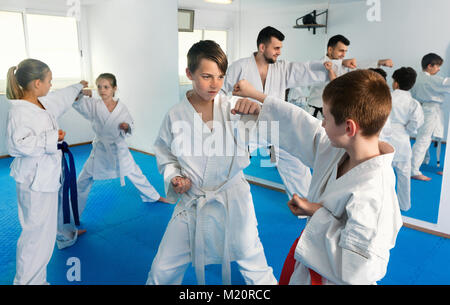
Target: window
(51, 39)
(187, 39)
(13, 42)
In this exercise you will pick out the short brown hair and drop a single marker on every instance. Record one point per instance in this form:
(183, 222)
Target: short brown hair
(206, 49)
(362, 96)
(108, 76)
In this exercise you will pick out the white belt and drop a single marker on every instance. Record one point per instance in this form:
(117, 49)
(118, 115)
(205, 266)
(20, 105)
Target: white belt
(112, 158)
(201, 198)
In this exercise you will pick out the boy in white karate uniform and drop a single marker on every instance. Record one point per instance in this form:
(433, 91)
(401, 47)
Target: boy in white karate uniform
(353, 210)
(406, 117)
(429, 90)
(202, 155)
(110, 157)
(32, 137)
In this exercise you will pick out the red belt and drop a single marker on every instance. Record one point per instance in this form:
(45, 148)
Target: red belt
(289, 265)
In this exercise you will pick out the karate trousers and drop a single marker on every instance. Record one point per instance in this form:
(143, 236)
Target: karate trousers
(38, 218)
(86, 180)
(432, 126)
(174, 256)
(403, 171)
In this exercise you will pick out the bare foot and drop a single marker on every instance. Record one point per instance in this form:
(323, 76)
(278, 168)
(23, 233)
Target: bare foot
(81, 232)
(162, 199)
(440, 173)
(421, 177)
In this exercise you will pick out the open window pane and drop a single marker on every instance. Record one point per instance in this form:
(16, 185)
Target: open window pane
(185, 42)
(187, 39)
(12, 50)
(218, 36)
(54, 40)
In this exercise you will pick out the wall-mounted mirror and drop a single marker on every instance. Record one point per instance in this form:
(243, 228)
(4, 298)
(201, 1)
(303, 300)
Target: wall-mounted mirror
(376, 30)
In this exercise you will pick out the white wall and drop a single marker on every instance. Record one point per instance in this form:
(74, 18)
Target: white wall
(299, 44)
(408, 30)
(137, 40)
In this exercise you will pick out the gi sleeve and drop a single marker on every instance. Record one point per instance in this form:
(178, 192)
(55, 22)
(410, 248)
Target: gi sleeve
(59, 101)
(440, 84)
(415, 118)
(167, 162)
(23, 141)
(85, 106)
(299, 133)
(127, 118)
(305, 73)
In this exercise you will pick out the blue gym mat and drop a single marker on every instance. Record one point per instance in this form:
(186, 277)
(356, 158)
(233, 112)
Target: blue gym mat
(123, 236)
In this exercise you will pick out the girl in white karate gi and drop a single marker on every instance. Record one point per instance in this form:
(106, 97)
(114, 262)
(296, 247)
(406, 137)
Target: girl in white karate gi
(110, 157)
(32, 138)
(214, 221)
(406, 117)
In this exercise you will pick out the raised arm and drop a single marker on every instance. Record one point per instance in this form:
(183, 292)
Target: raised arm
(299, 132)
(59, 101)
(305, 73)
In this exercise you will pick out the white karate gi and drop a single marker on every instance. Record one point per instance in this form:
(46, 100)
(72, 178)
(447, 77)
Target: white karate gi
(280, 76)
(406, 117)
(110, 157)
(347, 241)
(32, 138)
(299, 97)
(430, 91)
(316, 91)
(214, 222)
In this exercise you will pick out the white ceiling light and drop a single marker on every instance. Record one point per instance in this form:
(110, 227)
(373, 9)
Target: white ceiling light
(220, 1)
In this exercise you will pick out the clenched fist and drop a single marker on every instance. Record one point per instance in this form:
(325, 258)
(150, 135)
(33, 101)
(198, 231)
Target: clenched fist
(181, 184)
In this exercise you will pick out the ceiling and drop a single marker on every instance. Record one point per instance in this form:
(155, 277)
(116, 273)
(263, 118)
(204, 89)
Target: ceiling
(248, 4)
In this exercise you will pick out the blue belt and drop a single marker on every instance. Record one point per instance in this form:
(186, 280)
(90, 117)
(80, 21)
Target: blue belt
(69, 185)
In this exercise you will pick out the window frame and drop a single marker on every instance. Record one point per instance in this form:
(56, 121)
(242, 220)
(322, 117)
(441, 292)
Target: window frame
(203, 29)
(57, 82)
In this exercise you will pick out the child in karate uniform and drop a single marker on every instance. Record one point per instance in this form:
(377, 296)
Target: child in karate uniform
(32, 138)
(406, 117)
(110, 157)
(429, 90)
(214, 221)
(354, 217)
